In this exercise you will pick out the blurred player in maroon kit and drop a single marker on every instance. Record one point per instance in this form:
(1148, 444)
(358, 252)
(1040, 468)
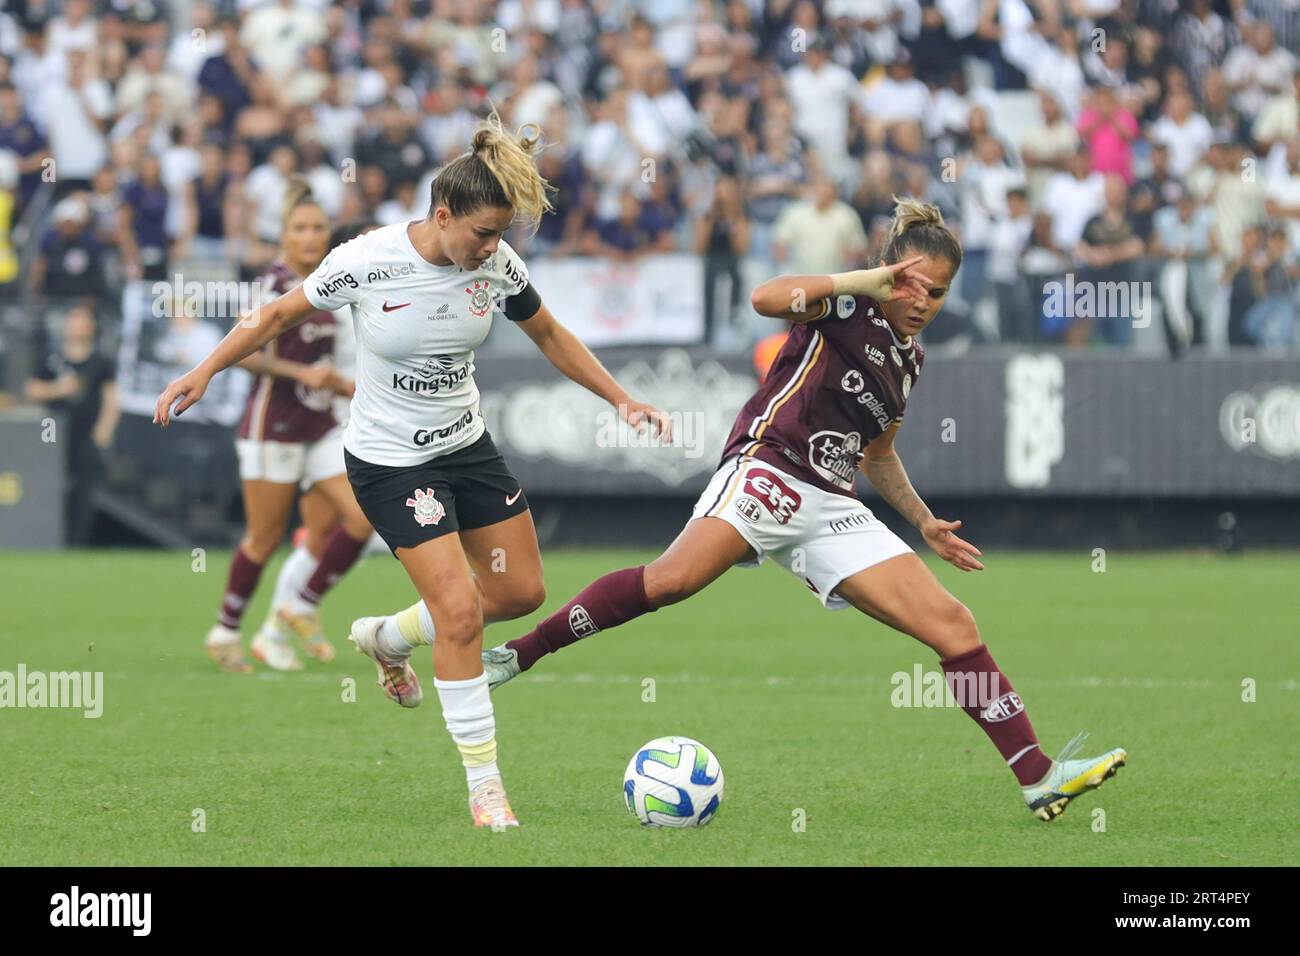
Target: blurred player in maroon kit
(289, 438)
(830, 406)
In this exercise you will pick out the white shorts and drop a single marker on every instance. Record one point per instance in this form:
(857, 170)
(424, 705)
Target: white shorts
(819, 537)
(288, 463)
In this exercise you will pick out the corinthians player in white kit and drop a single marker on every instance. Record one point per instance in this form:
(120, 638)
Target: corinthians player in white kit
(424, 469)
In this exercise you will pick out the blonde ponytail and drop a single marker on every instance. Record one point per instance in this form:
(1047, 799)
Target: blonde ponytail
(500, 169)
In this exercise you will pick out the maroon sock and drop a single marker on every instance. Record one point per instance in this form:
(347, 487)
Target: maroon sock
(240, 585)
(341, 552)
(985, 693)
(607, 602)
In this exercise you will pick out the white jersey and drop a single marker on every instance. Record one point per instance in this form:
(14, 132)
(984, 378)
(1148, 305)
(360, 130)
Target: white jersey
(417, 326)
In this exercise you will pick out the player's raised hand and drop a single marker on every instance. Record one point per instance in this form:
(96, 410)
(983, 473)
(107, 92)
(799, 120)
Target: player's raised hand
(899, 280)
(640, 415)
(940, 537)
(189, 388)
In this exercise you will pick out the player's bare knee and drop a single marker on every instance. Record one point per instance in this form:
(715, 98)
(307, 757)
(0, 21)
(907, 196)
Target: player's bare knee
(960, 631)
(523, 600)
(259, 546)
(668, 584)
(458, 621)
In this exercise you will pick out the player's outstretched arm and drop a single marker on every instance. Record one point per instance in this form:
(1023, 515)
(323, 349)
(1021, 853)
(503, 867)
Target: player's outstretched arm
(253, 330)
(884, 469)
(801, 299)
(566, 352)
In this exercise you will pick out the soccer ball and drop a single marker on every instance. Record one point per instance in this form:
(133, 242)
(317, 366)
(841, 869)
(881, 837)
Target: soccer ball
(673, 782)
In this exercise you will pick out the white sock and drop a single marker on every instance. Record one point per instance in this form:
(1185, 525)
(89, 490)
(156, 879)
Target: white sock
(293, 575)
(467, 709)
(403, 631)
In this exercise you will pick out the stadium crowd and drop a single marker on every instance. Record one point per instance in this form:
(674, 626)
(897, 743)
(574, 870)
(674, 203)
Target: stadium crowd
(1139, 141)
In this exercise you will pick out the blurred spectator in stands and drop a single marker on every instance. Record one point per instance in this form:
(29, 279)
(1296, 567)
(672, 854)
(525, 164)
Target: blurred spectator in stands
(1107, 64)
(1217, 108)
(75, 113)
(1270, 320)
(104, 200)
(774, 178)
(207, 196)
(877, 184)
(1046, 148)
(136, 22)
(629, 234)
(263, 195)
(1052, 62)
(405, 205)
(150, 75)
(394, 147)
(147, 127)
(722, 238)
(819, 235)
(10, 288)
(327, 185)
(1109, 131)
(560, 232)
(895, 98)
(142, 224)
(1201, 38)
(70, 262)
(1237, 199)
(983, 178)
(1244, 276)
(1258, 68)
(1182, 242)
(527, 96)
(76, 29)
(1043, 262)
(1072, 198)
(277, 33)
(1146, 70)
(660, 104)
(1109, 249)
(228, 74)
(19, 135)
(1187, 133)
(77, 382)
(613, 156)
(1279, 118)
(1154, 191)
(1004, 33)
(908, 148)
(825, 100)
(1282, 192)
(944, 34)
(724, 139)
(1008, 240)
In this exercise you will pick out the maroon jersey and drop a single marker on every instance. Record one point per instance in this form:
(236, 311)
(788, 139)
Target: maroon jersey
(836, 384)
(280, 409)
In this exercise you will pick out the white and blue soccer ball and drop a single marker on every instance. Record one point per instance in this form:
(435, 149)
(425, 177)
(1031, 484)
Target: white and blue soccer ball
(673, 782)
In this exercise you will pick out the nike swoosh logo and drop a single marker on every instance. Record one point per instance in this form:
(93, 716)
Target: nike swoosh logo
(393, 308)
(511, 499)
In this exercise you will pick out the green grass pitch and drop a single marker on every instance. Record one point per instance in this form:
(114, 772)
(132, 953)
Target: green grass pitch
(1150, 655)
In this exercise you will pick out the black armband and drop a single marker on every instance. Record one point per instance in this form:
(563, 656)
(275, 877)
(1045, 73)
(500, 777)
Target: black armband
(524, 304)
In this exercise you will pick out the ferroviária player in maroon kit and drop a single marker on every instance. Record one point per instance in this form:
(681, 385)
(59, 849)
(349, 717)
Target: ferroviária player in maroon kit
(830, 407)
(290, 440)
(281, 409)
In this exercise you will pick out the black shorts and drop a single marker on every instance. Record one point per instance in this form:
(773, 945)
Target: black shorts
(410, 504)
